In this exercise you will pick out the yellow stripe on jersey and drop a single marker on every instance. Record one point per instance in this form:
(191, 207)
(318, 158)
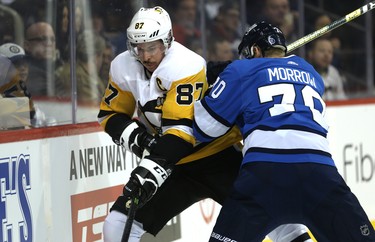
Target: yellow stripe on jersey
(116, 100)
(232, 137)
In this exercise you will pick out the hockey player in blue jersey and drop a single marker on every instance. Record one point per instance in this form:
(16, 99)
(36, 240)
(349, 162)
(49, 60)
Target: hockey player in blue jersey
(287, 173)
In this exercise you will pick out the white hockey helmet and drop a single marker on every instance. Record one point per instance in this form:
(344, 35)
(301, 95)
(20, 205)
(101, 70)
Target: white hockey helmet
(150, 24)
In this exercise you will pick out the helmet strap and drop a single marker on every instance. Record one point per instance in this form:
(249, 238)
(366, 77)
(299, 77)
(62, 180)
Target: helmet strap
(252, 51)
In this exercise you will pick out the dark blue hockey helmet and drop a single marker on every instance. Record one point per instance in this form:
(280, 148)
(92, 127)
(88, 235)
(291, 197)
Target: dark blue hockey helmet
(264, 35)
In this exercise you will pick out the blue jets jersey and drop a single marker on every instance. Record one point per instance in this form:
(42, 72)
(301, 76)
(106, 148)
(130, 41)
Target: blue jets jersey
(277, 104)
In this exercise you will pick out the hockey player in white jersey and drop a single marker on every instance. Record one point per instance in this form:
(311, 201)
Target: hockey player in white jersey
(159, 80)
(287, 173)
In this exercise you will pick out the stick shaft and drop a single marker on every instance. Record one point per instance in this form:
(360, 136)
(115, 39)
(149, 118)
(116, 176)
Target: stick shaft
(347, 18)
(129, 220)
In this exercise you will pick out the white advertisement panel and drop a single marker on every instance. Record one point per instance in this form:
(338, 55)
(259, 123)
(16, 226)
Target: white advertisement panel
(45, 183)
(352, 142)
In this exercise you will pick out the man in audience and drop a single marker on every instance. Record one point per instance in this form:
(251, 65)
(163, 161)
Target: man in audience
(321, 21)
(41, 54)
(279, 13)
(226, 25)
(320, 56)
(220, 50)
(185, 29)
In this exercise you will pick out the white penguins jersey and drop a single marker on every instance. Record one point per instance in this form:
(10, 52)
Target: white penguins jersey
(163, 102)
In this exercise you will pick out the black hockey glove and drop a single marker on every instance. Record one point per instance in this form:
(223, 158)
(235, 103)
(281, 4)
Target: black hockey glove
(214, 68)
(136, 139)
(146, 178)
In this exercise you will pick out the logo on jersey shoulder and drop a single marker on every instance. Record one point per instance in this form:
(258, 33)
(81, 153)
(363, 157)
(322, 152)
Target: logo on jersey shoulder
(160, 84)
(292, 63)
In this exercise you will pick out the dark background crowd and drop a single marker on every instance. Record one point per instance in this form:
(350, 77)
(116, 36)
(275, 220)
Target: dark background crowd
(212, 28)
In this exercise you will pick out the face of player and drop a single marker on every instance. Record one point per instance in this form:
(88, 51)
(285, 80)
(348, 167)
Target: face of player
(150, 54)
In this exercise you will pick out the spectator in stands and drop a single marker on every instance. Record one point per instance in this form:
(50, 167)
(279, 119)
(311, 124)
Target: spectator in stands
(108, 55)
(97, 16)
(321, 21)
(278, 13)
(220, 50)
(18, 87)
(320, 56)
(184, 17)
(89, 60)
(62, 29)
(16, 54)
(226, 25)
(212, 8)
(78, 17)
(40, 48)
(15, 87)
(116, 19)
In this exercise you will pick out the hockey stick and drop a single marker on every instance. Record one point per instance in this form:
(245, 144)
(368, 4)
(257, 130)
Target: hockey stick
(349, 17)
(129, 222)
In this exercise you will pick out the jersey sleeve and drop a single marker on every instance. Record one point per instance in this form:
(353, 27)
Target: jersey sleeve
(216, 113)
(116, 108)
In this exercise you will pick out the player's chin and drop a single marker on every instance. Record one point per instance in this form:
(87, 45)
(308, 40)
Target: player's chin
(151, 67)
